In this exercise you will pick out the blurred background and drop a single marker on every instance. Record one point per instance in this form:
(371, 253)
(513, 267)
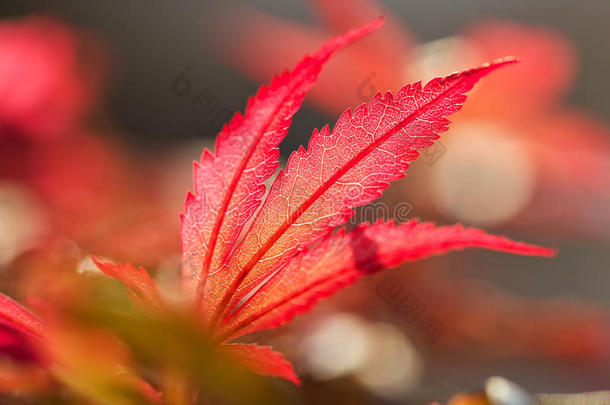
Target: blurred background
(115, 101)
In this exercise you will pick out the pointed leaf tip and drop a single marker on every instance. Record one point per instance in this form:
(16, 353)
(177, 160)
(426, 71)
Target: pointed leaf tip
(497, 64)
(371, 26)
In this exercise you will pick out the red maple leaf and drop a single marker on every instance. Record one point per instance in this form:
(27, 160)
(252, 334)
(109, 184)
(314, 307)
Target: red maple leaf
(252, 261)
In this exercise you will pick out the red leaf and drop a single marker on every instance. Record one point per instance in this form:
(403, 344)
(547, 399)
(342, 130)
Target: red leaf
(262, 360)
(143, 291)
(230, 183)
(345, 168)
(287, 259)
(16, 317)
(345, 257)
(19, 329)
